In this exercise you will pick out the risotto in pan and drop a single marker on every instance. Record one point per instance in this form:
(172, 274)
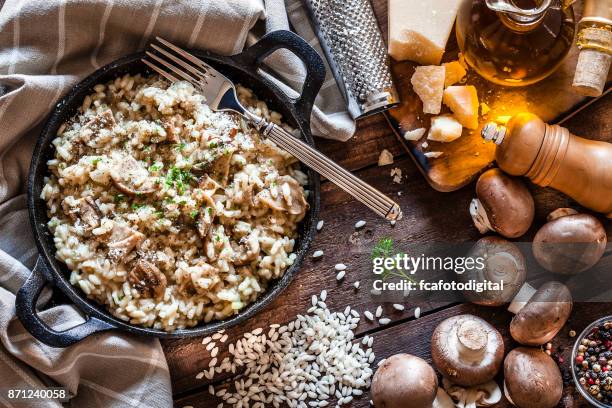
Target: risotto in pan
(166, 212)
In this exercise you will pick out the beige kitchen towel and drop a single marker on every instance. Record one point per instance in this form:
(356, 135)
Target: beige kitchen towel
(45, 48)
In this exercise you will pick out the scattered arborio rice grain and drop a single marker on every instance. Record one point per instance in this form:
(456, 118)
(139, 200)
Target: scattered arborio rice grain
(312, 360)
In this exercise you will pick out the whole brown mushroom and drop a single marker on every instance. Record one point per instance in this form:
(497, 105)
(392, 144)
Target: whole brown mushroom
(569, 243)
(467, 350)
(503, 204)
(503, 262)
(404, 381)
(539, 314)
(532, 379)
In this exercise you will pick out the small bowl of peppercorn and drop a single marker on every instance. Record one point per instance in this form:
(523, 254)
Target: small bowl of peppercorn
(592, 363)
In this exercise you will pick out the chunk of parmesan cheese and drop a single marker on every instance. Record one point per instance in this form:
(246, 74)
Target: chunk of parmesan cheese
(455, 72)
(444, 128)
(415, 134)
(419, 29)
(463, 101)
(428, 83)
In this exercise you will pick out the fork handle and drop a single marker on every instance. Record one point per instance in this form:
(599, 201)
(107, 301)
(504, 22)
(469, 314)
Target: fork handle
(359, 189)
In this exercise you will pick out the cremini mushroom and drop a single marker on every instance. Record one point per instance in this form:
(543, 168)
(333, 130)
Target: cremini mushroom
(147, 279)
(85, 212)
(122, 240)
(569, 243)
(91, 129)
(467, 350)
(248, 248)
(539, 314)
(404, 381)
(206, 215)
(130, 177)
(219, 164)
(289, 198)
(502, 204)
(503, 262)
(532, 379)
(293, 193)
(481, 395)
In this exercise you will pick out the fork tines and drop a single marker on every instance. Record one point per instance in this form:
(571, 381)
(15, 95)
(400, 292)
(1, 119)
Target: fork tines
(181, 64)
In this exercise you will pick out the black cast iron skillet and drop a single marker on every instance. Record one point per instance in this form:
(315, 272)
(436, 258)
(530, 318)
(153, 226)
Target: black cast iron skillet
(241, 68)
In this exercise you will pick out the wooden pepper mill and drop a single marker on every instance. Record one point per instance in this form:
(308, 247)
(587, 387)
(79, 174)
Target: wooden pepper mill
(551, 156)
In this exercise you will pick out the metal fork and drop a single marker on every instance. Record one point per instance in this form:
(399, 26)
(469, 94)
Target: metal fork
(220, 95)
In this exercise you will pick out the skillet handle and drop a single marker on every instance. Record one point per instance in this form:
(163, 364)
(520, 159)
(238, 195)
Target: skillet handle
(315, 70)
(25, 305)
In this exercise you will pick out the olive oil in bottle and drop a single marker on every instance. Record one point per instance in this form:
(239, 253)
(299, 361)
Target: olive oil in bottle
(515, 42)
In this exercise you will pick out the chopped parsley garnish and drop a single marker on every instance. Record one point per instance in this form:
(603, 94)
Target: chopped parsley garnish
(136, 206)
(194, 214)
(178, 179)
(156, 167)
(117, 198)
(96, 161)
(209, 211)
(212, 145)
(180, 146)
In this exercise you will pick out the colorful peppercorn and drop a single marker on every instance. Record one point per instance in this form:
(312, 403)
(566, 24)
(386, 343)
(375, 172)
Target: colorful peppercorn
(593, 362)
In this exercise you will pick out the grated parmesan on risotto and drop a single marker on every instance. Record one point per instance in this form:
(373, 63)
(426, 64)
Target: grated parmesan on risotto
(169, 213)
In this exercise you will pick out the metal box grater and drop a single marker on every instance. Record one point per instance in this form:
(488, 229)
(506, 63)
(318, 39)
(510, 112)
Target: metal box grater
(354, 47)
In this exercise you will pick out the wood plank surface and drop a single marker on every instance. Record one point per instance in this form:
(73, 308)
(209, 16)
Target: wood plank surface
(429, 216)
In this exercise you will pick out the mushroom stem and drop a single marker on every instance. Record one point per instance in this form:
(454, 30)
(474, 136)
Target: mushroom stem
(479, 216)
(443, 400)
(507, 394)
(522, 298)
(471, 340)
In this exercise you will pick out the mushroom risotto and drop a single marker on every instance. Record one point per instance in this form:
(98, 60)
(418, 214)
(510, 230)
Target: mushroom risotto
(169, 213)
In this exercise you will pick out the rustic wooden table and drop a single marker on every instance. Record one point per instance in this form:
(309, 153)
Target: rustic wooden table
(429, 216)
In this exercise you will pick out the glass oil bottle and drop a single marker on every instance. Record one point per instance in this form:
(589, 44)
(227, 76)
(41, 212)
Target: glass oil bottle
(515, 42)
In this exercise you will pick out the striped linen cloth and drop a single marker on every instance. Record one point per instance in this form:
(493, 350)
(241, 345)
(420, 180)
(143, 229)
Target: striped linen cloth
(45, 48)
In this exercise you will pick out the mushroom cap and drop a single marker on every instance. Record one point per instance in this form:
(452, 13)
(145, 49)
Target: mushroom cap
(404, 381)
(532, 379)
(503, 262)
(543, 316)
(467, 350)
(570, 244)
(507, 202)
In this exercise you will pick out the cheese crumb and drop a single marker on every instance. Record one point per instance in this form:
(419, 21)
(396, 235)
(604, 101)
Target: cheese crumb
(484, 108)
(414, 134)
(433, 155)
(396, 173)
(385, 158)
